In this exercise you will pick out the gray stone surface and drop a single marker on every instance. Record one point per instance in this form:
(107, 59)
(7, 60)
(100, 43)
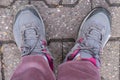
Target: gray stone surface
(100, 3)
(55, 2)
(15, 7)
(70, 1)
(67, 46)
(114, 1)
(115, 22)
(5, 2)
(11, 59)
(5, 25)
(110, 61)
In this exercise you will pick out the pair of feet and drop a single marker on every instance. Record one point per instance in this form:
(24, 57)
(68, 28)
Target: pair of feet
(29, 34)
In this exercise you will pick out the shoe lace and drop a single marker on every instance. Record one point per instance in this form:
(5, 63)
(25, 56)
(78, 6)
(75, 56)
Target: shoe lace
(27, 48)
(92, 41)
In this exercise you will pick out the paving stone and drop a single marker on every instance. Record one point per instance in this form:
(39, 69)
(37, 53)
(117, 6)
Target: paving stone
(62, 19)
(114, 1)
(110, 61)
(6, 19)
(67, 46)
(100, 3)
(11, 58)
(5, 25)
(69, 1)
(15, 7)
(115, 21)
(6, 2)
(55, 2)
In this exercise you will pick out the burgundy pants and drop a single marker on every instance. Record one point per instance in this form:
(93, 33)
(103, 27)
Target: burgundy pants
(36, 68)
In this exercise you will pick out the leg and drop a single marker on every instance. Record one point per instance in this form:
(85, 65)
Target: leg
(29, 34)
(33, 67)
(83, 61)
(78, 70)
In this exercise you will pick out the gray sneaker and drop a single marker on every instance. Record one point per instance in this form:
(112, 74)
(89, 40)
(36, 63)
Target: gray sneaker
(93, 35)
(29, 32)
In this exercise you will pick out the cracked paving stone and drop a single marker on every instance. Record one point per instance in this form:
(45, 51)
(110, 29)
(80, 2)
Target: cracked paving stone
(110, 61)
(63, 22)
(114, 1)
(11, 58)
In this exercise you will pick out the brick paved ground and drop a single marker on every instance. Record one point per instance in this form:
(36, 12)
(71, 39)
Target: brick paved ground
(62, 19)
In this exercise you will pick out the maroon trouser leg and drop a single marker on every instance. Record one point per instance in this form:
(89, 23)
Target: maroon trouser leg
(78, 70)
(36, 68)
(33, 68)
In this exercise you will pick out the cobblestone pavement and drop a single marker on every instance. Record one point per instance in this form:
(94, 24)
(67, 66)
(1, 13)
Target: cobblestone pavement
(62, 19)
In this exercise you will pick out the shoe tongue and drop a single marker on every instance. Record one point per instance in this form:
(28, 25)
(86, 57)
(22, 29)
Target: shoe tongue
(30, 33)
(30, 37)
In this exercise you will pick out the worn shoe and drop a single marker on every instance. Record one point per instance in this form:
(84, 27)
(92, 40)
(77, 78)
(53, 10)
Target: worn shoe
(29, 32)
(93, 35)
